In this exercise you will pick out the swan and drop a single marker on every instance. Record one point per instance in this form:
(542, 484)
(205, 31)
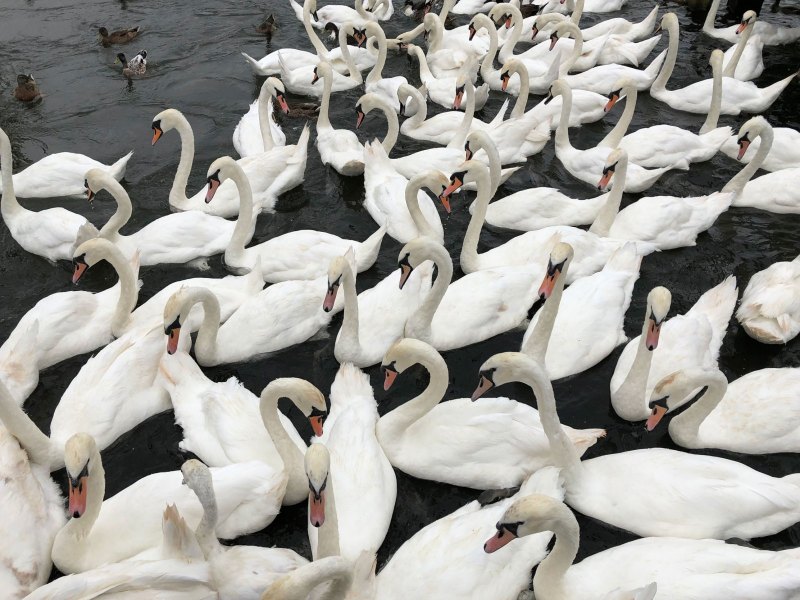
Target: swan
(443, 560)
(270, 173)
(777, 192)
(474, 308)
(386, 88)
(444, 90)
(770, 34)
(52, 233)
(656, 491)
(358, 474)
(384, 188)
(173, 239)
(302, 80)
(585, 164)
(249, 137)
(338, 148)
(769, 311)
(224, 423)
(596, 303)
(448, 55)
(300, 254)
(664, 145)
(510, 142)
(33, 506)
(489, 74)
(105, 531)
(670, 567)
(237, 572)
(692, 339)
(737, 96)
(666, 221)
(784, 153)
(374, 319)
(617, 26)
(336, 14)
(743, 60)
(753, 414)
(424, 427)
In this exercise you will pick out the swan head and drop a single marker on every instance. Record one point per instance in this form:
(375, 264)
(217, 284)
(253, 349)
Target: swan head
(673, 390)
(80, 457)
(221, 169)
(669, 22)
(198, 477)
(558, 88)
(358, 35)
(274, 87)
(557, 265)
(318, 464)
(511, 66)
(471, 170)
(406, 91)
(480, 140)
(750, 131)
(177, 309)
(165, 121)
(304, 395)
(89, 253)
(658, 302)
(96, 180)
(615, 158)
(323, 69)
(461, 87)
(504, 13)
(622, 86)
(542, 21)
(478, 22)
(366, 103)
(403, 354)
(337, 269)
(435, 181)
(505, 367)
(529, 515)
(414, 253)
(748, 19)
(565, 29)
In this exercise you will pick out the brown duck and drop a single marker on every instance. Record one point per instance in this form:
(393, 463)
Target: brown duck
(27, 90)
(268, 27)
(123, 36)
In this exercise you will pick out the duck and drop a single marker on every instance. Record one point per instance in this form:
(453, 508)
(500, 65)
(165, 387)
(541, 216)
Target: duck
(656, 491)
(443, 90)
(268, 26)
(249, 137)
(209, 413)
(338, 148)
(356, 473)
(51, 233)
(27, 89)
(689, 340)
(127, 524)
(136, 66)
(724, 414)
(770, 34)
(737, 96)
(584, 164)
(769, 312)
(669, 567)
(775, 192)
(595, 303)
(296, 255)
(120, 36)
(270, 173)
(237, 572)
(424, 427)
(744, 60)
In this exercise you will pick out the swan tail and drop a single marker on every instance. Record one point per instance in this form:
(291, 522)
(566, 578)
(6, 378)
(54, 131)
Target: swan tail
(645, 27)
(645, 47)
(773, 91)
(647, 592)
(716, 137)
(583, 439)
(498, 118)
(117, 170)
(548, 481)
(717, 306)
(508, 172)
(300, 154)
(367, 251)
(298, 10)
(625, 259)
(655, 66)
(179, 541)
(254, 64)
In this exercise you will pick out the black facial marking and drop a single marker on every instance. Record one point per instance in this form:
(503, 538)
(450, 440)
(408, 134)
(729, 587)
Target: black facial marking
(176, 324)
(661, 402)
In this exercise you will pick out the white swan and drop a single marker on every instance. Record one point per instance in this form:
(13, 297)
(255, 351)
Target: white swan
(667, 567)
(336, 14)
(755, 414)
(301, 583)
(429, 439)
(769, 33)
(472, 309)
(129, 523)
(338, 148)
(616, 26)
(743, 60)
(269, 173)
(737, 96)
(784, 153)
(595, 304)
(666, 221)
(448, 55)
(443, 90)
(300, 254)
(585, 164)
(52, 233)
(376, 83)
(664, 145)
(224, 423)
(374, 319)
(359, 475)
(656, 491)
(770, 310)
(33, 506)
(777, 192)
(176, 238)
(256, 131)
(692, 339)
(385, 190)
(237, 572)
(444, 559)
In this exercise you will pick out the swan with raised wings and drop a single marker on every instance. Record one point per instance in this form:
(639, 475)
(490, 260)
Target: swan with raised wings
(770, 308)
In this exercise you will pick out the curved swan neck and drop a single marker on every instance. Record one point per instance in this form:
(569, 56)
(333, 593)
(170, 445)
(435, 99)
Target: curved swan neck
(524, 91)
(376, 74)
(264, 97)
(110, 230)
(246, 221)
(716, 98)
(615, 136)
(424, 70)
(469, 248)
(393, 126)
(8, 204)
(177, 194)
(730, 69)
(577, 47)
(711, 16)
(418, 117)
(412, 204)
(577, 13)
(424, 316)
(349, 331)
(320, 48)
(128, 290)
(300, 583)
(40, 449)
(205, 344)
(631, 394)
(549, 577)
(684, 429)
(323, 120)
(436, 34)
(297, 486)
(355, 74)
(487, 64)
(462, 132)
(207, 527)
(605, 218)
(738, 181)
(328, 534)
(536, 344)
(447, 6)
(562, 131)
(673, 30)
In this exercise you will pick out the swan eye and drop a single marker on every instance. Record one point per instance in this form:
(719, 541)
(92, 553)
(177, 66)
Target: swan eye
(552, 268)
(488, 374)
(743, 139)
(176, 324)
(609, 168)
(659, 402)
(404, 262)
(318, 493)
(334, 284)
(654, 319)
(76, 482)
(156, 126)
(512, 528)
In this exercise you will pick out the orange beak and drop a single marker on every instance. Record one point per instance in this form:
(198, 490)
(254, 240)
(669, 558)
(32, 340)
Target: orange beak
(316, 509)
(612, 100)
(653, 331)
(504, 78)
(484, 386)
(315, 78)
(742, 26)
(457, 100)
(494, 543)
(553, 41)
(359, 119)
(743, 146)
(157, 133)
(548, 285)
(455, 184)
(445, 202)
(77, 497)
(283, 104)
(508, 22)
(172, 340)
(316, 424)
(405, 273)
(330, 298)
(655, 418)
(80, 269)
(390, 376)
(472, 31)
(89, 194)
(534, 32)
(605, 180)
(213, 185)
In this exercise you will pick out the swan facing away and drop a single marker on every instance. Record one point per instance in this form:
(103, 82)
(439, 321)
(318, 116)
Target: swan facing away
(770, 308)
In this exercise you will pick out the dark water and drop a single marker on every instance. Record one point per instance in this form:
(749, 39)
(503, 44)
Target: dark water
(194, 65)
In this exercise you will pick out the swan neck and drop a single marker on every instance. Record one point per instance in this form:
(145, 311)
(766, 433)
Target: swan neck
(550, 573)
(524, 91)
(615, 136)
(320, 48)
(424, 70)
(402, 417)
(207, 527)
(730, 68)
(673, 31)
(423, 318)
(562, 131)
(536, 344)
(737, 183)
(355, 74)
(684, 429)
(412, 204)
(205, 344)
(297, 486)
(711, 16)
(110, 230)
(328, 534)
(349, 330)
(393, 129)
(418, 117)
(304, 580)
(516, 34)
(447, 6)
(487, 64)
(128, 290)
(177, 194)
(631, 396)
(8, 203)
(323, 119)
(376, 74)
(577, 49)
(246, 221)
(264, 105)
(469, 248)
(577, 13)
(40, 449)
(605, 218)
(716, 99)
